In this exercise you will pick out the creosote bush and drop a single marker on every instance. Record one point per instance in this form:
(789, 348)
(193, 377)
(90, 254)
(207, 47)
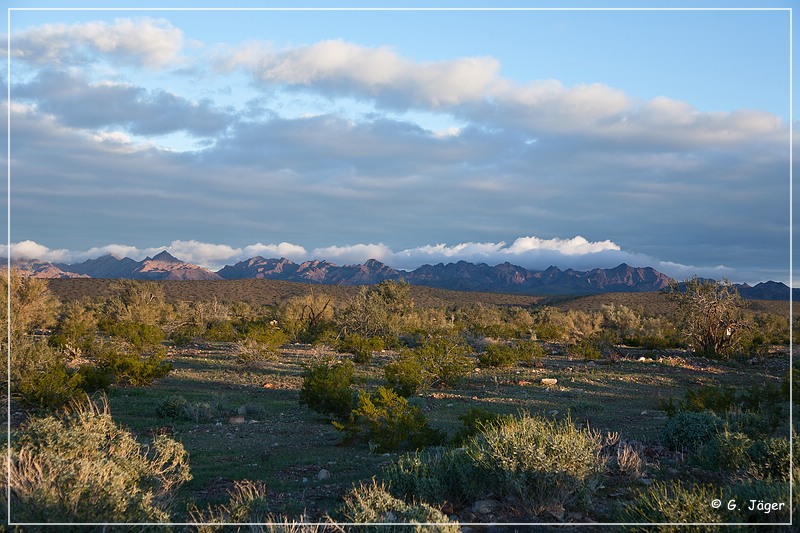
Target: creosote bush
(328, 389)
(687, 431)
(405, 376)
(360, 347)
(373, 503)
(443, 360)
(80, 467)
(388, 423)
(540, 463)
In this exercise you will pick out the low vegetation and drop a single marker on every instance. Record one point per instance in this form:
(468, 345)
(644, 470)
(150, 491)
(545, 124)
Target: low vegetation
(374, 404)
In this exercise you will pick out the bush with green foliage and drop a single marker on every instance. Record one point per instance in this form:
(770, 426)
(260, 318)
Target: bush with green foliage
(435, 475)
(75, 330)
(675, 503)
(443, 360)
(585, 349)
(220, 331)
(476, 420)
(529, 353)
(405, 375)
(139, 335)
(498, 356)
(769, 458)
(727, 450)
(372, 503)
(388, 423)
(686, 431)
(131, 368)
(328, 389)
(172, 407)
(360, 347)
(81, 467)
(40, 378)
(541, 463)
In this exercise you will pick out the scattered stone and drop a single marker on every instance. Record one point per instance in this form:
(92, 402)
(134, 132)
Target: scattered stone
(554, 412)
(305, 480)
(242, 410)
(522, 383)
(484, 506)
(323, 474)
(236, 420)
(218, 423)
(574, 517)
(549, 381)
(645, 481)
(644, 413)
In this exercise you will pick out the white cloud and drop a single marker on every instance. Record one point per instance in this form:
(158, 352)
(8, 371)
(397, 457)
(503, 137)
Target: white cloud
(152, 43)
(529, 252)
(471, 89)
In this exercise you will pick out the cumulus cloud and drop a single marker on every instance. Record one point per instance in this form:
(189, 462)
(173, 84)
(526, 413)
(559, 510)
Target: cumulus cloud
(471, 89)
(147, 42)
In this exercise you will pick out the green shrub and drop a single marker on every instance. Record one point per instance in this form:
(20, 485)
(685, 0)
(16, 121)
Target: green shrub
(529, 353)
(361, 347)
(81, 467)
(770, 458)
(388, 423)
(538, 462)
(137, 334)
(674, 503)
(328, 389)
(727, 450)
(759, 491)
(687, 431)
(133, 369)
(75, 330)
(474, 421)
(372, 503)
(498, 356)
(185, 334)
(586, 349)
(443, 359)
(172, 407)
(220, 331)
(198, 412)
(435, 475)
(40, 378)
(405, 376)
(247, 503)
(266, 334)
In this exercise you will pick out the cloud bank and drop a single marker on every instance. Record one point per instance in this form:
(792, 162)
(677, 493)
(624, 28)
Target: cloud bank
(530, 252)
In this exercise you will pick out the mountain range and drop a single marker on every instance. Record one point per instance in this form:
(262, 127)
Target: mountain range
(462, 275)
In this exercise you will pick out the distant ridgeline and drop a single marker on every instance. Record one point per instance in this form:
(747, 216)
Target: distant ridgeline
(463, 276)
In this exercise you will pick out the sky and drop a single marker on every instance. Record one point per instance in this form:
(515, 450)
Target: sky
(575, 138)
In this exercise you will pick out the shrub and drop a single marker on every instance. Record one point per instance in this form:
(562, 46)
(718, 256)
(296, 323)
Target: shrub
(39, 376)
(498, 356)
(361, 347)
(405, 376)
(759, 491)
(388, 423)
(198, 412)
(75, 330)
(443, 359)
(770, 458)
(185, 334)
(328, 389)
(172, 407)
(267, 335)
(435, 475)
(81, 467)
(474, 421)
(674, 503)
(687, 431)
(727, 450)
(373, 503)
(539, 462)
(530, 353)
(251, 351)
(220, 331)
(133, 369)
(585, 349)
(137, 334)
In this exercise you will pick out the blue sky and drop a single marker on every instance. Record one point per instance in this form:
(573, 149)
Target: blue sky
(574, 138)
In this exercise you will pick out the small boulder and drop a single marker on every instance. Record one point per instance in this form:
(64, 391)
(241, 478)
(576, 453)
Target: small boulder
(323, 474)
(242, 410)
(235, 420)
(549, 381)
(484, 506)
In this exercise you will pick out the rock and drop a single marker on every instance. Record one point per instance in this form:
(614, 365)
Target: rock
(554, 412)
(235, 420)
(484, 506)
(646, 482)
(242, 410)
(323, 474)
(549, 381)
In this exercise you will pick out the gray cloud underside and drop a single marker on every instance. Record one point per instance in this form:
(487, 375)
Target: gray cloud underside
(80, 104)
